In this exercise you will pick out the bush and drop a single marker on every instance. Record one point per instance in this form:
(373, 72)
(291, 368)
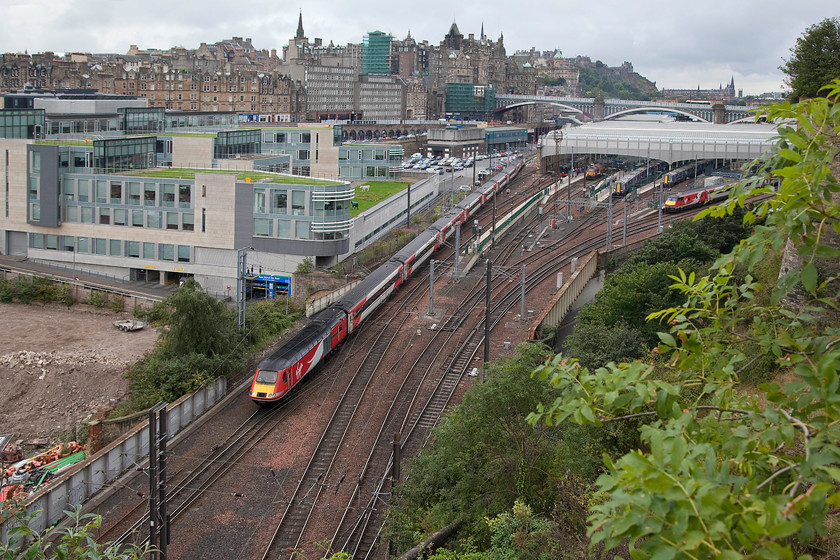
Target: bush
(97, 299)
(65, 296)
(306, 266)
(117, 304)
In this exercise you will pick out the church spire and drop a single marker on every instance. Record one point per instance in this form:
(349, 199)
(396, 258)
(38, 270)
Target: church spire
(300, 34)
(482, 31)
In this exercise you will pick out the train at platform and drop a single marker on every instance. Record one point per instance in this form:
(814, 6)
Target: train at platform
(634, 179)
(288, 364)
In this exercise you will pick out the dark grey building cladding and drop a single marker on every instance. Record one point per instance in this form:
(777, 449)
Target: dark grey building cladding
(49, 188)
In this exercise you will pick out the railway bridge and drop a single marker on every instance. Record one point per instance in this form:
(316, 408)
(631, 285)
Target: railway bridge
(597, 109)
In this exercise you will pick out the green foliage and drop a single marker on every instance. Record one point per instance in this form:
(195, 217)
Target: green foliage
(157, 316)
(199, 324)
(160, 377)
(97, 299)
(26, 290)
(76, 541)
(598, 80)
(815, 59)
(117, 304)
(202, 343)
(483, 457)
(266, 320)
(721, 474)
(384, 248)
(64, 295)
(306, 266)
(620, 309)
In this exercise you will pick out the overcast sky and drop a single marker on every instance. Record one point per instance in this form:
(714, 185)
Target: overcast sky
(677, 44)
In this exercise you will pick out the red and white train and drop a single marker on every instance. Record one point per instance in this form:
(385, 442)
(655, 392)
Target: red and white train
(694, 198)
(289, 363)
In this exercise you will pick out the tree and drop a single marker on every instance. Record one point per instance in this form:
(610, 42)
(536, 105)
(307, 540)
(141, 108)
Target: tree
(199, 323)
(482, 458)
(815, 59)
(720, 473)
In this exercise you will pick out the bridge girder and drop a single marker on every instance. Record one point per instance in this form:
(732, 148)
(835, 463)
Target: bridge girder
(567, 108)
(660, 110)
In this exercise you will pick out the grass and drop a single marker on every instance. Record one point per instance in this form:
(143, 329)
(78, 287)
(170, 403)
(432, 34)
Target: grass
(65, 142)
(254, 176)
(379, 191)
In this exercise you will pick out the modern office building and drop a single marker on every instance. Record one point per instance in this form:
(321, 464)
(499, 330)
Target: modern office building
(184, 201)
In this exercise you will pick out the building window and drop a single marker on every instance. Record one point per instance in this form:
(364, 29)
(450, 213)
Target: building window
(134, 194)
(82, 188)
(115, 247)
(188, 221)
(284, 229)
(171, 220)
(104, 216)
(262, 227)
(302, 230)
(82, 245)
(298, 199)
(259, 201)
(152, 219)
(166, 252)
(183, 253)
(132, 249)
(101, 192)
(148, 250)
(120, 216)
(87, 215)
(280, 200)
(71, 214)
(168, 195)
(149, 192)
(99, 246)
(137, 218)
(184, 196)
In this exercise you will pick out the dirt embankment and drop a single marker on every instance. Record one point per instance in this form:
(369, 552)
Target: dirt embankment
(58, 366)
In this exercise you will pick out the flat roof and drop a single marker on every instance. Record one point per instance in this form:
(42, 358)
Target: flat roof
(669, 141)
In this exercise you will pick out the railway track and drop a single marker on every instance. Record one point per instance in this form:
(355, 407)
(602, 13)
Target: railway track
(423, 391)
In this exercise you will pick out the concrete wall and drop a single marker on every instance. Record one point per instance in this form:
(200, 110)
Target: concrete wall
(365, 224)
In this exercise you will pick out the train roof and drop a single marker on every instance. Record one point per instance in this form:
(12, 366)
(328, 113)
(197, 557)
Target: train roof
(304, 340)
(415, 245)
(364, 288)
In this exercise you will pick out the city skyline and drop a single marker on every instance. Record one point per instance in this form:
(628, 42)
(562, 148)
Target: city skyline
(719, 41)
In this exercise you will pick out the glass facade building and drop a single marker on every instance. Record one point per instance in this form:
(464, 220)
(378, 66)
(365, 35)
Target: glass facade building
(122, 154)
(359, 162)
(22, 123)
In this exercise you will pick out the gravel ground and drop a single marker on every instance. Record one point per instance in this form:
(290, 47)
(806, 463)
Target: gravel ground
(59, 366)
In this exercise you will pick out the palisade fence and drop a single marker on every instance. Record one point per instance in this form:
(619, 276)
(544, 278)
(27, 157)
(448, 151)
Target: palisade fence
(96, 473)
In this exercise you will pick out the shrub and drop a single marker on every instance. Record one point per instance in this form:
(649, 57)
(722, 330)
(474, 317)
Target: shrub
(117, 304)
(65, 296)
(306, 266)
(97, 299)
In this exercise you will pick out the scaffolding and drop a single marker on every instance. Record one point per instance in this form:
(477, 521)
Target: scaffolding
(469, 100)
(376, 53)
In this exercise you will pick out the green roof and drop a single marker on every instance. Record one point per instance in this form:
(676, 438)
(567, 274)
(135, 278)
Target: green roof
(241, 176)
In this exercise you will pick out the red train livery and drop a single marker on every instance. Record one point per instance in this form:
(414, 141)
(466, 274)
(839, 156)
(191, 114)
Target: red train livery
(327, 329)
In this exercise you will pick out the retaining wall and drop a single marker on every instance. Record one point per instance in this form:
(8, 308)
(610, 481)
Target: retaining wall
(129, 452)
